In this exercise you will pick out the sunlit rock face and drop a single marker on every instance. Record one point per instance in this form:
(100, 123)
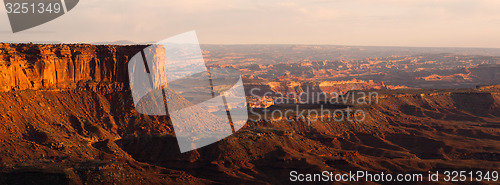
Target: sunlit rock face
(30, 66)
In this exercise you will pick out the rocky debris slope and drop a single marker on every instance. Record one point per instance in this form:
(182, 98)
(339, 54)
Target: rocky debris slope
(69, 137)
(86, 136)
(412, 131)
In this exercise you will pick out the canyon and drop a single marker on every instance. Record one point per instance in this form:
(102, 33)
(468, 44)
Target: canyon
(67, 117)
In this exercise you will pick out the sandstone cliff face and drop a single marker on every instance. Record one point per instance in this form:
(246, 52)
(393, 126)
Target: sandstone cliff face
(33, 66)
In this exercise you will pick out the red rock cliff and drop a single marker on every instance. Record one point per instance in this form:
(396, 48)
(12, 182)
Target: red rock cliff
(62, 66)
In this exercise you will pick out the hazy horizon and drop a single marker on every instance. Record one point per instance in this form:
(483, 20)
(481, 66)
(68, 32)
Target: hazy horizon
(243, 44)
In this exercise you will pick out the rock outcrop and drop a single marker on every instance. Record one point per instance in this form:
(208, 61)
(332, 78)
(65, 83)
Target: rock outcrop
(33, 66)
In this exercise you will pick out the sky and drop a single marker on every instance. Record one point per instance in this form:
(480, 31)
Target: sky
(419, 23)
